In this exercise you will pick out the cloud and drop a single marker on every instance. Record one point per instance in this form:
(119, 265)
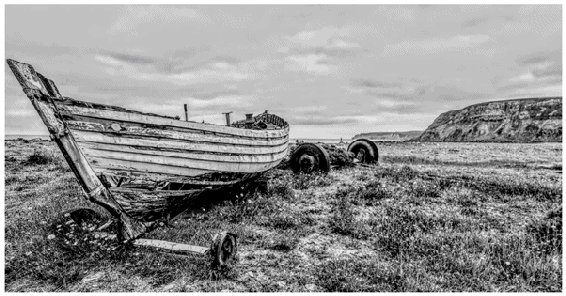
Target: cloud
(20, 112)
(330, 41)
(318, 109)
(469, 39)
(109, 60)
(529, 80)
(220, 101)
(436, 44)
(226, 59)
(404, 13)
(391, 103)
(548, 70)
(533, 59)
(313, 38)
(119, 65)
(540, 69)
(365, 119)
(313, 63)
(373, 83)
(320, 120)
(113, 57)
(217, 69)
(525, 77)
(339, 43)
(543, 91)
(136, 19)
(477, 21)
(217, 72)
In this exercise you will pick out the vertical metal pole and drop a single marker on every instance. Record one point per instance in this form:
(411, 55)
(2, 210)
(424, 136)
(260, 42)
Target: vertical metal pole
(227, 117)
(186, 113)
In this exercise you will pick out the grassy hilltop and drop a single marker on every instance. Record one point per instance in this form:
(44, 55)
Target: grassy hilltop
(428, 217)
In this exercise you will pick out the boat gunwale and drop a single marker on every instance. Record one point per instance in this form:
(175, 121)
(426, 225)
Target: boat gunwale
(74, 125)
(183, 124)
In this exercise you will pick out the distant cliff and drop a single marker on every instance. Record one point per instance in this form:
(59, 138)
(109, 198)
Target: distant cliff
(389, 136)
(521, 120)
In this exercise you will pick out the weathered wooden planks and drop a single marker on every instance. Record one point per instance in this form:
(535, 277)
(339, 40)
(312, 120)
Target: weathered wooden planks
(178, 157)
(143, 163)
(27, 77)
(124, 116)
(178, 140)
(173, 247)
(152, 179)
(174, 146)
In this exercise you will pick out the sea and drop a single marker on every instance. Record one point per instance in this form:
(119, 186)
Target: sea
(318, 140)
(26, 137)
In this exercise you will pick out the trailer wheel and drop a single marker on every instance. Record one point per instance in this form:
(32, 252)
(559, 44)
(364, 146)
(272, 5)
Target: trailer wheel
(309, 158)
(364, 150)
(223, 249)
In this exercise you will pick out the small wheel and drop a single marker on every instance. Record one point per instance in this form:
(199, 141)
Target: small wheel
(363, 150)
(309, 158)
(223, 249)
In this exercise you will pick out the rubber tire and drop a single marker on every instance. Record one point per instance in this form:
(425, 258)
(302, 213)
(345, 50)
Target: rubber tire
(375, 150)
(366, 146)
(317, 151)
(223, 249)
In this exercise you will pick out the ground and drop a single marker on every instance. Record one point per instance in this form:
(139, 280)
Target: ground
(427, 217)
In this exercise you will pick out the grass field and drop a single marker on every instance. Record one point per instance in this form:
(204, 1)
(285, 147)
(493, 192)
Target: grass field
(428, 217)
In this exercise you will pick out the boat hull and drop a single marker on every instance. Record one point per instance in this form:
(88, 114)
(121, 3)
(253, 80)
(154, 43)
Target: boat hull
(145, 168)
(133, 147)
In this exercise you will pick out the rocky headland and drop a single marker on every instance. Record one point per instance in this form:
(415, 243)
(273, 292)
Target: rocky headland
(519, 120)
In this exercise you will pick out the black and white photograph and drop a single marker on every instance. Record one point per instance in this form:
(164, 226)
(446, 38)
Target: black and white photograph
(272, 147)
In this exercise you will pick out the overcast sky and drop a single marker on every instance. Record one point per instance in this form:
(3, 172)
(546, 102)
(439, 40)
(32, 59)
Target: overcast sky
(330, 71)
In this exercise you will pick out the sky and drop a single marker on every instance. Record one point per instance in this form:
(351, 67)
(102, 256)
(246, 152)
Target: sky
(332, 71)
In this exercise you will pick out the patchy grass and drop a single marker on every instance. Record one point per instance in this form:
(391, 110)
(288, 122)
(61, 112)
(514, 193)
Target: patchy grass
(434, 217)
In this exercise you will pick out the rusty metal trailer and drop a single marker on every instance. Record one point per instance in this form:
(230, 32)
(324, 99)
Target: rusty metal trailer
(314, 157)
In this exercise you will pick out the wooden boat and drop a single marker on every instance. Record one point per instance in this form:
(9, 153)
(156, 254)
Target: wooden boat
(145, 168)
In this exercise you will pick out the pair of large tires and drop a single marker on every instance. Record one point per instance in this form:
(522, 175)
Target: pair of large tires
(312, 157)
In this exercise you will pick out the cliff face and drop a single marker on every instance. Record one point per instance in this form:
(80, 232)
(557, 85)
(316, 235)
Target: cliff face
(522, 120)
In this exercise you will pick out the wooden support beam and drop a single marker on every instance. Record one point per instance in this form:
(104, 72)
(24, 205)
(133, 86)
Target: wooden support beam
(171, 246)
